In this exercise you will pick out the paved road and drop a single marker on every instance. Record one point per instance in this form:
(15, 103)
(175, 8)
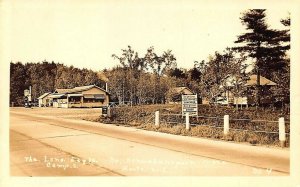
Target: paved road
(49, 146)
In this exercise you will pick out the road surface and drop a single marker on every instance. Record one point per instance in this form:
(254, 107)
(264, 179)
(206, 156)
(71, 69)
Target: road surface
(53, 146)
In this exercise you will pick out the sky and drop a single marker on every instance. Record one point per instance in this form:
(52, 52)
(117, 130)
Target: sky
(86, 33)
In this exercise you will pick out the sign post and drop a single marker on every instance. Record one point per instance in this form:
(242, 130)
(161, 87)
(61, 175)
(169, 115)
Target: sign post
(189, 105)
(187, 121)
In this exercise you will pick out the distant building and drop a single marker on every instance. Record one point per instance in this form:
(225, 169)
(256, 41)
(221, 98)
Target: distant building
(84, 96)
(174, 94)
(45, 100)
(228, 98)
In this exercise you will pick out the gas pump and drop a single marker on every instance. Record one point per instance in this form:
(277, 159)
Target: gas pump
(27, 98)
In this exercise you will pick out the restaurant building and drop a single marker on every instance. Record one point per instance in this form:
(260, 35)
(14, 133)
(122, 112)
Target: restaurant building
(80, 97)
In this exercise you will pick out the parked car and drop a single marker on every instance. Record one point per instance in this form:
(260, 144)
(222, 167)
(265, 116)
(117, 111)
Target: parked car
(221, 100)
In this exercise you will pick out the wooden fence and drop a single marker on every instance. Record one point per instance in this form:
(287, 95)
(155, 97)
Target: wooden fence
(227, 124)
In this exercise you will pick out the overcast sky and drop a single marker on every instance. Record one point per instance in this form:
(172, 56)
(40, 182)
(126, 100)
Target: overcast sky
(86, 33)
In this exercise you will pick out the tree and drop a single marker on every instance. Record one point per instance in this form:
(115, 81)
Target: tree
(213, 74)
(236, 82)
(46, 77)
(134, 68)
(178, 73)
(160, 65)
(222, 73)
(133, 65)
(194, 74)
(145, 88)
(116, 79)
(262, 44)
(17, 83)
(130, 59)
(282, 76)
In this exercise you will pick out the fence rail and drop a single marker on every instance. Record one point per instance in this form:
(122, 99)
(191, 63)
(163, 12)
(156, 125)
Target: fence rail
(283, 126)
(221, 118)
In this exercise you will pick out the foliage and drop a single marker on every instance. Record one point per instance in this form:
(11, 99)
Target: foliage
(222, 72)
(133, 82)
(17, 83)
(160, 64)
(263, 44)
(46, 77)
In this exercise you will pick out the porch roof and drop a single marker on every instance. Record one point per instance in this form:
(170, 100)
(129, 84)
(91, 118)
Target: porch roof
(56, 95)
(75, 95)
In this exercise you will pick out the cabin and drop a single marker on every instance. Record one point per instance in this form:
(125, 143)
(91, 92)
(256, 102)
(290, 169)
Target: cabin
(44, 100)
(90, 96)
(228, 98)
(174, 94)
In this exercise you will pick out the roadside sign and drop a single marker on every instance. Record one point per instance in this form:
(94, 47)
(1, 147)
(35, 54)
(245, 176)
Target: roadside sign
(104, 110)
(189, 105)
(26, 93)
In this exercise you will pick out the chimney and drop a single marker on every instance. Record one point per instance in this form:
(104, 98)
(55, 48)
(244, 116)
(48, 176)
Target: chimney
(106, 87)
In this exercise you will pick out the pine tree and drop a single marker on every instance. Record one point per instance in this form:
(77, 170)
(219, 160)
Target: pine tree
(262, 44)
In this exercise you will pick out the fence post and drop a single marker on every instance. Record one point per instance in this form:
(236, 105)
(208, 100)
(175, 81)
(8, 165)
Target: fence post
(282, 137)
(226, 124)
(157, 118)
(108, 111)
(187, 121)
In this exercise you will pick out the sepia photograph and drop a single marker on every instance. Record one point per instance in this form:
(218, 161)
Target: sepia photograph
(124, 89)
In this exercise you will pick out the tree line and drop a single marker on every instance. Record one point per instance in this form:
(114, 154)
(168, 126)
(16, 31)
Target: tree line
(46, 77)
(147, 78)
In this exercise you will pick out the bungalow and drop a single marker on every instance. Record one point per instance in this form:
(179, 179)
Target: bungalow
(174, 94)
(45, 100)
(84, 96)
(228, 98)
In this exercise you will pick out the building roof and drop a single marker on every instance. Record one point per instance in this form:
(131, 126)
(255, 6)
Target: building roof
(78, 89)
(56, 95)
(252, 81)
(263, 81)
(82, 88)
(44, 95)
(179, 89)
(63, 91)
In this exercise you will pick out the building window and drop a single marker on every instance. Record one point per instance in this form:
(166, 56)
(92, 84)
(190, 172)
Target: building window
(74, 100)
(92, 100)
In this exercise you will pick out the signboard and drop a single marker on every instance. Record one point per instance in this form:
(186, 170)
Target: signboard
(26, 93)
(104, 110)
(190, 105)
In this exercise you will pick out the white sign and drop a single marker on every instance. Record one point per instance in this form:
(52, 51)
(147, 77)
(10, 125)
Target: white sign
(189, 105)
(26, 93)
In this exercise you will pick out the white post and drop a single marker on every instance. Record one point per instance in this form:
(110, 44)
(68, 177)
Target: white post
(106, 87)
(108, 111)
(67, 100)
(226, 124)
(157, 118)
(282, 137)
(29, 97)
(187, 121)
